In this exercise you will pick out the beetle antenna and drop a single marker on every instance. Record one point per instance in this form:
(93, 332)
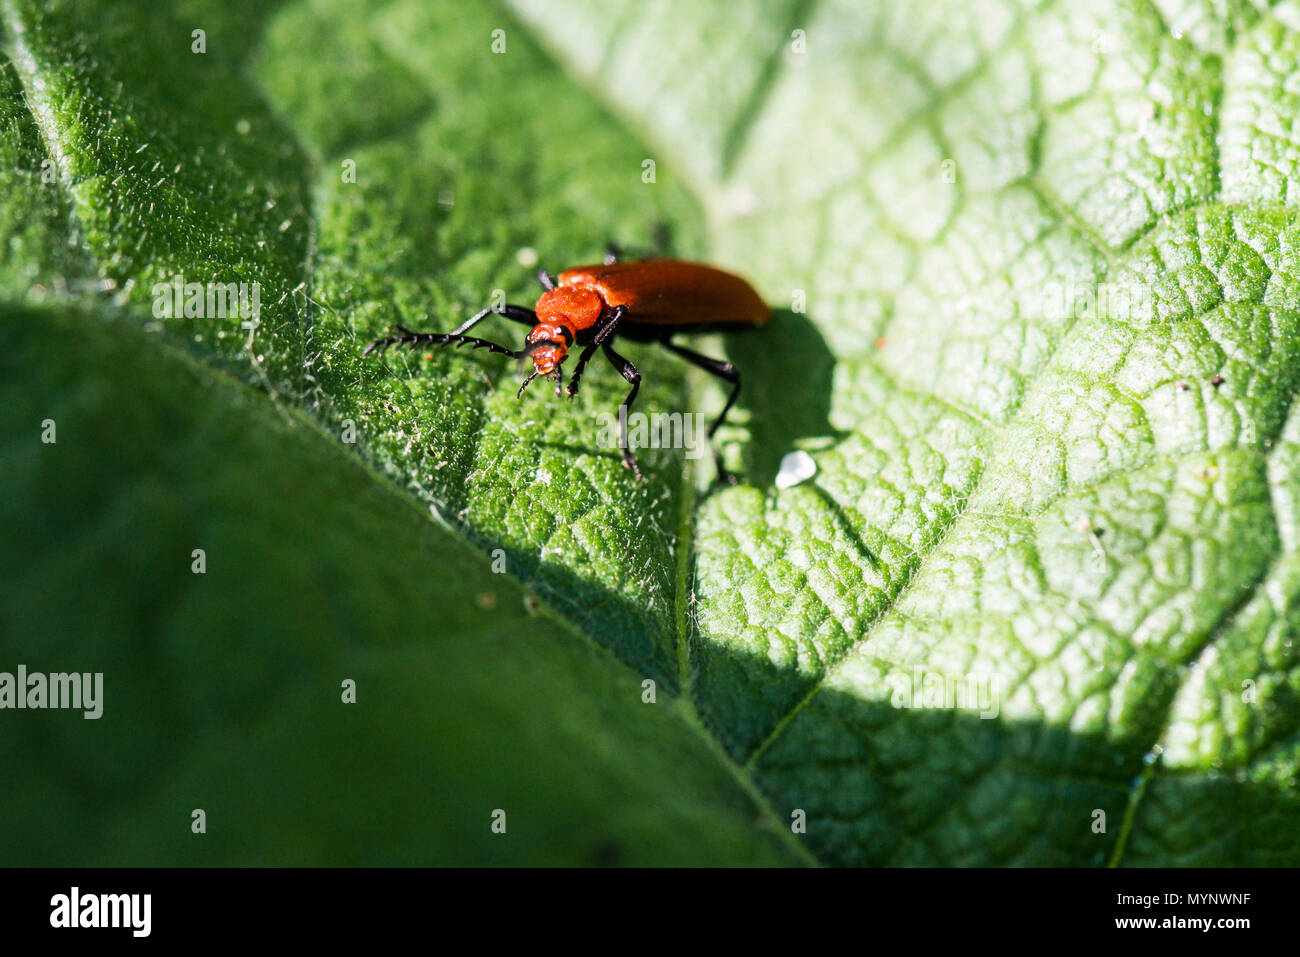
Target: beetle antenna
(409, 338)
(531, 376)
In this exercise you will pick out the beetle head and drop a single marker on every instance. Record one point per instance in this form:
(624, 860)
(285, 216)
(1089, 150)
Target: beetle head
(561, 312)
(547, 345)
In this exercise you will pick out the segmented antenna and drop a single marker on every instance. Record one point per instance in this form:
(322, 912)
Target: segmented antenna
(531, 376)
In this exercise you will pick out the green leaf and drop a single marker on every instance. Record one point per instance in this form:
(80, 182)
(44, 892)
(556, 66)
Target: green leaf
(223, 690)
(1037, 278)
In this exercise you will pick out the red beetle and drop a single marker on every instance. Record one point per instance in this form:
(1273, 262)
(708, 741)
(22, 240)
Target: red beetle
(648, 300)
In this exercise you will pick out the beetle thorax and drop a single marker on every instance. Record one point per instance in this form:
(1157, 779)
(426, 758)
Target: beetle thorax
(577, 307)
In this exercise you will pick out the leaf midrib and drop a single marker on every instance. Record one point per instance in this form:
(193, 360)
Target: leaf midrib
(687, 709)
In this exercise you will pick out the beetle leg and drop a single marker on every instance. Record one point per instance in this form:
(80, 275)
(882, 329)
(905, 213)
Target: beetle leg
(587, 353)
(601, 336)
(628, 372)
(611, 323)
(409, 338)
(518, 314)
(658, 248)
(723, 370)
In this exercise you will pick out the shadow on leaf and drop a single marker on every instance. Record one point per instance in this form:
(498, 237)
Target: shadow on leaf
(787, 389)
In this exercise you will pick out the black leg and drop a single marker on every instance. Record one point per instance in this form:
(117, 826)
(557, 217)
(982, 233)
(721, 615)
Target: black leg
(583, 359)
(659, 240)
(723, 370)
(518, 314)
(628, 372)
(602, 335)
(548, 283)
(408, 338)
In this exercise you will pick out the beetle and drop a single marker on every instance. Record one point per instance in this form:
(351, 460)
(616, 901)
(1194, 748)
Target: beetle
(646, 300)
